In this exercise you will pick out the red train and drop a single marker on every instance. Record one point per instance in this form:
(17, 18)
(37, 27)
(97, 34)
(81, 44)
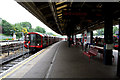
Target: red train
(35, 40)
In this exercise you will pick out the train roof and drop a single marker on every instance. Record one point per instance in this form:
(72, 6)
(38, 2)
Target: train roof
(36, 33)
(42, 34)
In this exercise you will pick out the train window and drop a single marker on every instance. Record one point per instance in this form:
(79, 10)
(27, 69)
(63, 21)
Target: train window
(33, 37)
(38, 39)
(45, 39)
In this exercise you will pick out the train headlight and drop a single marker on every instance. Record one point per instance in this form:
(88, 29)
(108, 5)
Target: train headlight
(27, 44)
(38, 44)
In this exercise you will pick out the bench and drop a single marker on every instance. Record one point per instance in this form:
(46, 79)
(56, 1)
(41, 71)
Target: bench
(91, 52)
(101, 51)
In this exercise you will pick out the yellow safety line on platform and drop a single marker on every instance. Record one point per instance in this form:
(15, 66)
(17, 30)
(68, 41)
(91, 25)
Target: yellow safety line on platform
(21, 65)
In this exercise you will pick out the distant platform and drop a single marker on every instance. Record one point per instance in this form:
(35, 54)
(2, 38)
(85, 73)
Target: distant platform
(8, 43)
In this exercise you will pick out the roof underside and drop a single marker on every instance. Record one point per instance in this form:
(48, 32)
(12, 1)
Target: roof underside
(71, 17)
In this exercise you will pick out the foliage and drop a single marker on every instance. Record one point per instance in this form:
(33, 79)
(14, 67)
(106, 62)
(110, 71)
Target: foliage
(39, 29)
(32, 30)
(49, 33)
(26, 25)
(7, 27)
(22, 25)
(101, 31)
(7, 39)
(0, 21)
(115, 29)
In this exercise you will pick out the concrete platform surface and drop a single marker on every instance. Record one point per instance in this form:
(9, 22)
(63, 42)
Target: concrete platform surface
(60, 61)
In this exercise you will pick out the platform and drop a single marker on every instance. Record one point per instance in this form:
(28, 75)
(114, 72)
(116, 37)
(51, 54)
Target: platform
(60, 61)
(9, 43)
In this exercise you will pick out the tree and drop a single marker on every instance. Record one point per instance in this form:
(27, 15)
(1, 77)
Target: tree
(115, 29)
(44, 30)
(100, 31)
(0, 21)
(32, 30)
(49, 33)
(39, 29)
(18, 27)
(7, 27)
(26, 25)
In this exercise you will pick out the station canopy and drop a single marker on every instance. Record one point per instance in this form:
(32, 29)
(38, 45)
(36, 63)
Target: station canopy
(71, 17)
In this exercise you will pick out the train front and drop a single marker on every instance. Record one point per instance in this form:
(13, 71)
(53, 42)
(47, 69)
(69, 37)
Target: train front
(33, 41)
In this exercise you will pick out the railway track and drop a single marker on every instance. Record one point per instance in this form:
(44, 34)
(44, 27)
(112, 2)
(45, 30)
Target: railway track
(11, 53)
(15, 53)
(11, 47)
(10, 63)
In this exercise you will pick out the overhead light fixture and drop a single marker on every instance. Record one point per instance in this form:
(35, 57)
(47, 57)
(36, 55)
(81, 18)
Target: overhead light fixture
(78, 27)
(59, 3)
(60, 20)
(65, 9)
(60, 15)
(59, 11)
(99, 5)
(58, 8)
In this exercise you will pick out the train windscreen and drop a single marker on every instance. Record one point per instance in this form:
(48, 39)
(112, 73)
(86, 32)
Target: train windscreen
(33, 39)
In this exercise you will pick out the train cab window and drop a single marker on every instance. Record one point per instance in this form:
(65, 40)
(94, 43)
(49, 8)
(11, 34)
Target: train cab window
(33, 37)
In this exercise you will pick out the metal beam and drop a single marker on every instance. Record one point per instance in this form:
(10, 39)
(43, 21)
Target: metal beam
(55, 17)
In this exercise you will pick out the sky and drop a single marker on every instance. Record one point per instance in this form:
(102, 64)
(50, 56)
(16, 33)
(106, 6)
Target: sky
(12, 12)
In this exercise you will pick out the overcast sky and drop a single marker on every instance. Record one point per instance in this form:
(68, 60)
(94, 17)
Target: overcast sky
(11, 11)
